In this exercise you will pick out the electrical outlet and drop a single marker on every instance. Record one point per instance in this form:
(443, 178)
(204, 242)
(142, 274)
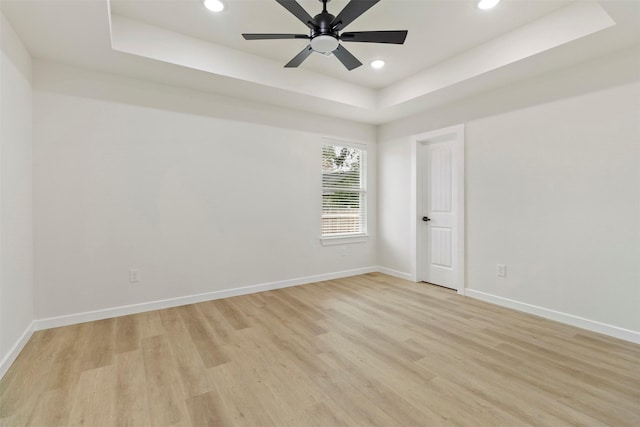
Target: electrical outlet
(134, 275)
(501, 270)
(342, 250)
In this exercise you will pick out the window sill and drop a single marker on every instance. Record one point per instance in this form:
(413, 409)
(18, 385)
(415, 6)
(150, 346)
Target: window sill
(343, 240)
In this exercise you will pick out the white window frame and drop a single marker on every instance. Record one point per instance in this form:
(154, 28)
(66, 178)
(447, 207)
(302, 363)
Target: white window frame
(364, 200)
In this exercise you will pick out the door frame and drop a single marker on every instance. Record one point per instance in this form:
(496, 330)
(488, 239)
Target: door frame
(453, 134)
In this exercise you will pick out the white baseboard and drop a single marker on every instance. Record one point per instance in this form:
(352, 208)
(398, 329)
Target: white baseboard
(396, 273)
(569, 319)
(71, 319)
(10, 357)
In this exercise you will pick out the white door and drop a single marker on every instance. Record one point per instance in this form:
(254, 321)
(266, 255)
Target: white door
(439, 210)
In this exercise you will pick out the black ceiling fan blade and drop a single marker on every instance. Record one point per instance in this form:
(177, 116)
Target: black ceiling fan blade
(274, 36)
(394, 37)
(347, 59)
(299, 58)
(351, 11)
(298, 11)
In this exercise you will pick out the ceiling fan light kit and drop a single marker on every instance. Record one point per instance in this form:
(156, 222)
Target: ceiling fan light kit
(324, 43)
(324, 32)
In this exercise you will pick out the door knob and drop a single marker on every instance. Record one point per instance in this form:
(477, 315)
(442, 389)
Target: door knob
(426, 218)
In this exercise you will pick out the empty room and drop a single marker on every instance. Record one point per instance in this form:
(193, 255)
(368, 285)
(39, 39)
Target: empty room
(319, 213)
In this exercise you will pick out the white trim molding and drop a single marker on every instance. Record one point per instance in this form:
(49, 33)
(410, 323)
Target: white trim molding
(558, 316)
(344, 240)
(396, 273)
(71, 319)
(13, 353)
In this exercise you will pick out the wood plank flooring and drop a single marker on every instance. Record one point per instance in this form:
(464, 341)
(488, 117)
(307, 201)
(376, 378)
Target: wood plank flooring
(370, 350)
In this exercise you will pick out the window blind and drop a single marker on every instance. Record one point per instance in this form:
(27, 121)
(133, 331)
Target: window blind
(343, 191)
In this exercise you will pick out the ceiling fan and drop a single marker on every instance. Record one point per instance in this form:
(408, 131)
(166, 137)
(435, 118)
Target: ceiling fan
(325, 32)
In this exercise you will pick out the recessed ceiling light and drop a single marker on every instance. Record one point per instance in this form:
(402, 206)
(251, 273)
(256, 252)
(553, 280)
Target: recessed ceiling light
(214, 5)
(377, 64)
(488, 4)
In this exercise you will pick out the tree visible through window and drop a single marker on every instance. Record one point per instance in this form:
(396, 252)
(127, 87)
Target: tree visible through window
(343, 191)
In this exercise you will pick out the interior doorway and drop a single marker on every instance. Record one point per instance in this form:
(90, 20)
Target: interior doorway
(439, 207)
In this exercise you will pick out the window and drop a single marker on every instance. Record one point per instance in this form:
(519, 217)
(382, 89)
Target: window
(343, 190)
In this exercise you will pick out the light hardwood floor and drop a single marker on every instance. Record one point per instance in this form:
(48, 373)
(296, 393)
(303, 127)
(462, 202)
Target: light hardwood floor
(367, 350)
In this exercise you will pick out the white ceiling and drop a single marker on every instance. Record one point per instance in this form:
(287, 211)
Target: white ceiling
(430, 23)
(453, 49)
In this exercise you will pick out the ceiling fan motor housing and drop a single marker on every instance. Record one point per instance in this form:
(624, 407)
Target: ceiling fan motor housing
(323, 38)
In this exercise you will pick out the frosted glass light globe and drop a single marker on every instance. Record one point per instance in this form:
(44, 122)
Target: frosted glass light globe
(324, 44)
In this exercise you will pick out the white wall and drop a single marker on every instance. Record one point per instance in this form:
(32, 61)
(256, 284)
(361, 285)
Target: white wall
(16, 222)
(130, 174)
(552, 191)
